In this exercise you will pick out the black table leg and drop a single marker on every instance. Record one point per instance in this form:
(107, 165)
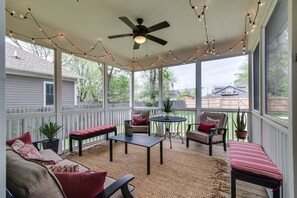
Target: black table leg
(126, 148)
(70, 144)
(110, 150)
(80, 147)
(233, 185)
(161, 152)
(148, 160)
(169, 135)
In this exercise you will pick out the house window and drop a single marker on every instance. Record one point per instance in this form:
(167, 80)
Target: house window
(256, 77)
(276, 62)
(48, 94)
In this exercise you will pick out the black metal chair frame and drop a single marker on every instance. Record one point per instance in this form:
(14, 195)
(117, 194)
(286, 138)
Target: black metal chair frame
(212, 132)
(269, 183)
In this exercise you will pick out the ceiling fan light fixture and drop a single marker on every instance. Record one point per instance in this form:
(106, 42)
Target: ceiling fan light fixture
(141, 38)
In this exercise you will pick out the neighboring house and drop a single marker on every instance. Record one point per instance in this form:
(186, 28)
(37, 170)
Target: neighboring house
(240, 91)
(173, 94)
(29, 80)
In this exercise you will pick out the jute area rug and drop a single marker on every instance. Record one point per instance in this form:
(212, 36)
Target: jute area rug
(184, 173)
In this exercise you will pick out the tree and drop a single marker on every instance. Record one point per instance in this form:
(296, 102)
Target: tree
(90, 83)
(242, 77)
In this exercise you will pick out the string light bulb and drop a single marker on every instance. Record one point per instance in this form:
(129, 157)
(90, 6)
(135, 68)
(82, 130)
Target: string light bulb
(33, 40)
(10, 33)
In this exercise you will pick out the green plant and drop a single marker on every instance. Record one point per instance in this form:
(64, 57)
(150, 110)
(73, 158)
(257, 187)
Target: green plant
(167, 106)
(50, 130)
(240, 123)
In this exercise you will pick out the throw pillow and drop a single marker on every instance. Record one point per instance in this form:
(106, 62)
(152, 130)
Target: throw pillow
(29, 151)
(64, 168)
(205, 127)
(44, 162)
(77, 185)
(136, 116)
(139, 121)
(17, 144)
(26, 138)
(215, 122)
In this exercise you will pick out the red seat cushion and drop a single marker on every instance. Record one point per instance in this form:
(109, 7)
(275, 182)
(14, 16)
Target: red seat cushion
(93, 130)
(205, 127)
(26, 138)
(251, 159)
(79, 184)
(139, 121)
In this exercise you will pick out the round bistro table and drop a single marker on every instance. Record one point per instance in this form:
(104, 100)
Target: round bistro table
(167, 122)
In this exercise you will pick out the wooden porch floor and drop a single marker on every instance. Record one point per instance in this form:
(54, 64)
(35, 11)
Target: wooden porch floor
(244, 189)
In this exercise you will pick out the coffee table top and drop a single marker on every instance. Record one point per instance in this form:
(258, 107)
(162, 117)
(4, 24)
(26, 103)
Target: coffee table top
(140, 140)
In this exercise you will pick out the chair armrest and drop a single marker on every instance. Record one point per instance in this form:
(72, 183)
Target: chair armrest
(189, 125)
(121, 183)
(37, 144)
(212, 130)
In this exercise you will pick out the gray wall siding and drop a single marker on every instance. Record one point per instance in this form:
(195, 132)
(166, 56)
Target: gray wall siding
(67, 93)
(28, 91)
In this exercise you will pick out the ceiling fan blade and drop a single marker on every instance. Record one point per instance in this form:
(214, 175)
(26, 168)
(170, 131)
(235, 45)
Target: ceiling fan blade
(155, 39)
(119, 36)
(128, 22)
(158, 26)
(136, 45)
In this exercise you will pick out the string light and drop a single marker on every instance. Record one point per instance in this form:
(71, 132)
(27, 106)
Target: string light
(202, 15)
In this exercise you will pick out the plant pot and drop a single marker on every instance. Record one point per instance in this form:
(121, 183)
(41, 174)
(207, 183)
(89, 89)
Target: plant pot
(54, 145)
(241, 134)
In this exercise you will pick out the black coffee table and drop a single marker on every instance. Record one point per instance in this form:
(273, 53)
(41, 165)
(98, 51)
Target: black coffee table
(139, 140)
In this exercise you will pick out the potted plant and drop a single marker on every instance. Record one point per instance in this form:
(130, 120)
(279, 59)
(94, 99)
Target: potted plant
(50, 130)
(167, 107)
(240, 125)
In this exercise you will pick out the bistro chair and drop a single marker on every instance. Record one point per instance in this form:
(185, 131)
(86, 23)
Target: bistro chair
(139, 122)
(211, 130)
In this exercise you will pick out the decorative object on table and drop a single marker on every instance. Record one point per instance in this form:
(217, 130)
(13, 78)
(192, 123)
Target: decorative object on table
(50, 130)
(167, 107)
(128, 128)
(240, 124)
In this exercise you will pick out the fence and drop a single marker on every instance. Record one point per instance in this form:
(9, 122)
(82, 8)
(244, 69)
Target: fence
(17, 124)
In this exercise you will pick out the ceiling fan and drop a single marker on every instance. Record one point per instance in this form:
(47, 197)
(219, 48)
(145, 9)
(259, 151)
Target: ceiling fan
(140, 32)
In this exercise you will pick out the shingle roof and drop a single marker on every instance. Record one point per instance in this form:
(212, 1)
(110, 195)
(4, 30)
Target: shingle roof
(28, 62)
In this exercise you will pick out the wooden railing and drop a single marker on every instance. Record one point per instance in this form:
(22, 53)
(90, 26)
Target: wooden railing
(17, 124)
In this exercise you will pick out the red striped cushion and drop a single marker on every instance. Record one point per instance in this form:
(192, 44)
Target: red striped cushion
(250, 158)
(84, 132)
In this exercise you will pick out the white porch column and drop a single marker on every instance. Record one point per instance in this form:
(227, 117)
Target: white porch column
(58, 92)
(132, 86)
(105, 97)
(2, 102)
(198, 89)
(292, 7)
(160, 88)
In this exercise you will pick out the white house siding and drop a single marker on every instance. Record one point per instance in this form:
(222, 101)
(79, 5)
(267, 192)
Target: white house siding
(24, 91)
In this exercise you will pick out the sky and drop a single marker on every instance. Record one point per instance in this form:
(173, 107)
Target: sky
(220, 72)
(214, 73)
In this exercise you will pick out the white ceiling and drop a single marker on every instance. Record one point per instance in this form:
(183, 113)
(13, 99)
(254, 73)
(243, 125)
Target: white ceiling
(87, 21)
